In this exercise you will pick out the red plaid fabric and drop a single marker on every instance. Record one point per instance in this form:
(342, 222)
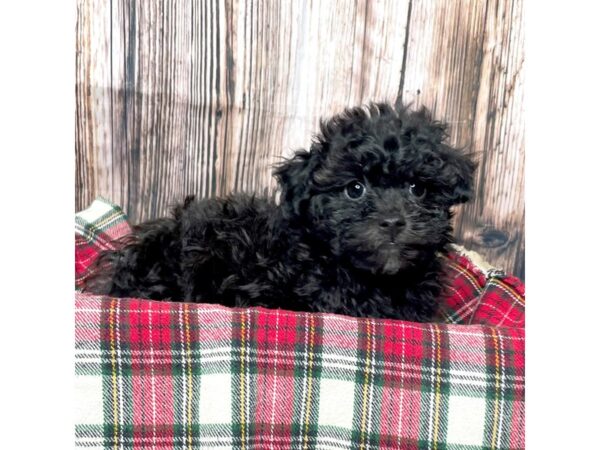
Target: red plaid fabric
(96, 229)
(476, 297)
(167, 375)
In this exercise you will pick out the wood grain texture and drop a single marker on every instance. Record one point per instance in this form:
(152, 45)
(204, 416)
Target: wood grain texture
(180, 97)
(465, 64)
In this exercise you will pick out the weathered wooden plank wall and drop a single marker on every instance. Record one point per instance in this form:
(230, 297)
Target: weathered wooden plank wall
(178, 97)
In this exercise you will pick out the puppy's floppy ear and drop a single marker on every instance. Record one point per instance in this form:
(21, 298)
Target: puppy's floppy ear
(295, 179)
(457, 173)
(452, 170)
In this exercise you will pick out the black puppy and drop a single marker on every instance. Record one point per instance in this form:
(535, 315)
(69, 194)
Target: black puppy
(358, 229)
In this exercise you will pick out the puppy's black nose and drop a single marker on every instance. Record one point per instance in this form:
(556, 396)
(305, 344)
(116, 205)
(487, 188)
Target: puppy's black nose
(393, 224)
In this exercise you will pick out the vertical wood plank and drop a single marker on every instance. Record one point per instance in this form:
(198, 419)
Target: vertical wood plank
(151, 52)
(92, 135)
(465, 60)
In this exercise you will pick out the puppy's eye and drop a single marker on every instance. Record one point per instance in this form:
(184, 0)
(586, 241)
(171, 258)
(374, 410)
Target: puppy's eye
(355, 190)
(418, 190)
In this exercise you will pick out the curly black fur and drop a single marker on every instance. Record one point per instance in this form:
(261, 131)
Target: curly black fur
(360, 220)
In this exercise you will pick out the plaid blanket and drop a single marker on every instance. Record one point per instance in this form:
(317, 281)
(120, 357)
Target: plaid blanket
(154, 375)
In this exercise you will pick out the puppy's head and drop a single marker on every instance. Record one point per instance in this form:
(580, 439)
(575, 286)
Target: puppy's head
(377, 186)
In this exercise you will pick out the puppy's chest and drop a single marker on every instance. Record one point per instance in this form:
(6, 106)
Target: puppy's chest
(341, 293)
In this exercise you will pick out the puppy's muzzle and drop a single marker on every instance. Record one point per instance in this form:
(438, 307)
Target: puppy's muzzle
(392, 225)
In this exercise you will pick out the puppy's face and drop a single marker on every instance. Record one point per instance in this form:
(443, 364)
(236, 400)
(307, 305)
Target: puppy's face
(377, 187)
